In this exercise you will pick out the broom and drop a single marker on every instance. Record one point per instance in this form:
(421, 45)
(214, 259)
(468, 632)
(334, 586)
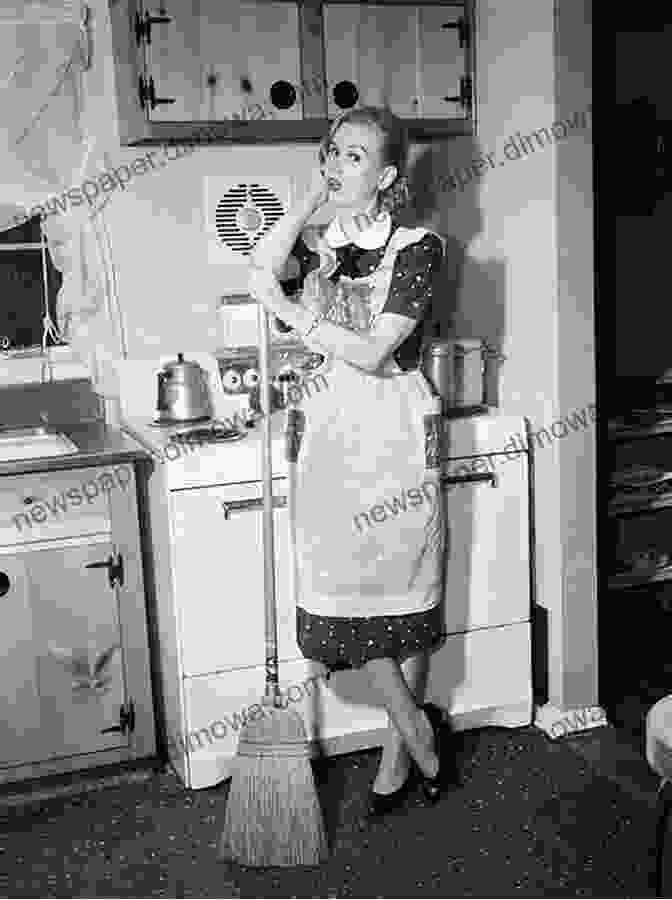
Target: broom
(273, 814)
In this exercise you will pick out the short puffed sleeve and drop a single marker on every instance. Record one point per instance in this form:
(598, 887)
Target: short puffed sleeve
(301, 260)
(414, 276)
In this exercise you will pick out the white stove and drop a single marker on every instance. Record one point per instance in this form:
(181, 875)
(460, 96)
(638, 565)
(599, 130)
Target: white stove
(217, 451)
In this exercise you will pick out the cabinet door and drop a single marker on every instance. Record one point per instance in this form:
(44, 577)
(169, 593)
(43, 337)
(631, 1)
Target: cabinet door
(441, 62)
(219, 60)
(219, 577)
(19, 697)
(76, 649)
(398, 55)
(487, 567)
(369, 45)
(172, 58)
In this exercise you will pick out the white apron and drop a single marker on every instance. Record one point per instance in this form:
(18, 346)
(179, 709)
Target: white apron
(368, 522)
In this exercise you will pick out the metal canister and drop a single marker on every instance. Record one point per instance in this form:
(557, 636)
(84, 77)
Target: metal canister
(457, 370)
(439, 367)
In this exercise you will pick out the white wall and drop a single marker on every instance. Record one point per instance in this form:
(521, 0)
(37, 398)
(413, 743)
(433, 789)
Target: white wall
(574, 625)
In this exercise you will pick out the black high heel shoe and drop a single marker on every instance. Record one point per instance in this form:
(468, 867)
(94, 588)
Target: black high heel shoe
(432, 787)
(382, 804)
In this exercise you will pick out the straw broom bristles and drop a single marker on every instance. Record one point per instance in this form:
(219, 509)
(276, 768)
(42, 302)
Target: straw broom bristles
(273, 815)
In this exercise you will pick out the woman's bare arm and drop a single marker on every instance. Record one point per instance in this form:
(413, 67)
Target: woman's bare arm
(365, 351)
(273, 249)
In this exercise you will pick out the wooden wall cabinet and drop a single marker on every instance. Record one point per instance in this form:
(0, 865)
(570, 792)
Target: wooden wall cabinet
(250, 71)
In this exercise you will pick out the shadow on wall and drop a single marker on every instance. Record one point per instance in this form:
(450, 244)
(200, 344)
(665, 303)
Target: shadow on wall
(470, 303)
(445, 192)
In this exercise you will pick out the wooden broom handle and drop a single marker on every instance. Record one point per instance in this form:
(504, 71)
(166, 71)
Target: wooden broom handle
(270, 608)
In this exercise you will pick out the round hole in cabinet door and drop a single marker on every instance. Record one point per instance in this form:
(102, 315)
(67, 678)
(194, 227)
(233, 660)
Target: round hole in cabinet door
(283, 94)
(5, 584)
(345, 94)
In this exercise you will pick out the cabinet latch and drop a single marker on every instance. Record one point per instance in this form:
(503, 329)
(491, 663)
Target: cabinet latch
(143, 29)
(465, 97)
(115, 569)
(463, 31)
(126, 720)
(147, 94)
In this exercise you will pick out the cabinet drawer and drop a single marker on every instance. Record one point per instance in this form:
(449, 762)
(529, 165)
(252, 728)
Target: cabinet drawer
(49, 505)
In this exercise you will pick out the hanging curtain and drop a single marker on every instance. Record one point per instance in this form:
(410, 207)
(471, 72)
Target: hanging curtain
(47, 146)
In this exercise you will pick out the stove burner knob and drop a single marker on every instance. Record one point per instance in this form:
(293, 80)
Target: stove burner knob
(251, 378)
(231, 381)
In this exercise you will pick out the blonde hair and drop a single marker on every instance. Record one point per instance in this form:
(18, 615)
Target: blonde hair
(393, 151)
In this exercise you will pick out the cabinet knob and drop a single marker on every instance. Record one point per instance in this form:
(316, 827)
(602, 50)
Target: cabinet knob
(5, 584)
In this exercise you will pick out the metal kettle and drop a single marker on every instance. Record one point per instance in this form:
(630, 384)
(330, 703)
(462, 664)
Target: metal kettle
(183, 393)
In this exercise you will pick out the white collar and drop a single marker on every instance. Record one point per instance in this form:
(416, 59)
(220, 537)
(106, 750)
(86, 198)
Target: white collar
(372, 237)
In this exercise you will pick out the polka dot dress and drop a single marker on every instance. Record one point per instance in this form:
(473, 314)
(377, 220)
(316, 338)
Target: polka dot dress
(376, 592)
(347, 643)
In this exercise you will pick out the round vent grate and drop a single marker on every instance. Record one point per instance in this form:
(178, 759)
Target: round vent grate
(244, 215)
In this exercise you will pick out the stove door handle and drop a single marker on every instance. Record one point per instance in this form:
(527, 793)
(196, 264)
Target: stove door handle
(470, 479)
(231, 506)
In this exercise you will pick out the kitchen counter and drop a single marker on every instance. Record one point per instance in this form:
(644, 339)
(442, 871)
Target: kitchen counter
(98, 445)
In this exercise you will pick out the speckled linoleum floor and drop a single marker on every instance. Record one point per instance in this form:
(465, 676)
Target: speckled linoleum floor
(532, 818)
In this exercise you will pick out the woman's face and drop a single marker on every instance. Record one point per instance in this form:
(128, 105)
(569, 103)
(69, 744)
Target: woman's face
(353, 167)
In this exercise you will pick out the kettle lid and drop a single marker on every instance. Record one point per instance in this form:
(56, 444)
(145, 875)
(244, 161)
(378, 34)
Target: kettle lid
(181, 361)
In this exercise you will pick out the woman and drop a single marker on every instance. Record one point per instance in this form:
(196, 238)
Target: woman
(369, 587)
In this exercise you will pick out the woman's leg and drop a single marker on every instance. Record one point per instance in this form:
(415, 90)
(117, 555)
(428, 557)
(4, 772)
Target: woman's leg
(395, 760)
(410, 721)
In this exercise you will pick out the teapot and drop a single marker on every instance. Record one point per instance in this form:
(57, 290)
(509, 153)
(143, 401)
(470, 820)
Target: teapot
(183, 392)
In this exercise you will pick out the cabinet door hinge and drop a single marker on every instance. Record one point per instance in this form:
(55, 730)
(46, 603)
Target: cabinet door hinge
(463, 31)
(465, 97)
(126, 720)
(147, 94)
(115, 569)
(143, 28)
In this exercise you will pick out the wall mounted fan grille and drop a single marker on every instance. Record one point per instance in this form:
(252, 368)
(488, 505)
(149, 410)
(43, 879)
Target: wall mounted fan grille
(244, 214)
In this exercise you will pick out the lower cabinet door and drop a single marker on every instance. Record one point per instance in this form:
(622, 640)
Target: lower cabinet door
(219, 576)
(19, 698)
(487, 543)
(76, 650)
